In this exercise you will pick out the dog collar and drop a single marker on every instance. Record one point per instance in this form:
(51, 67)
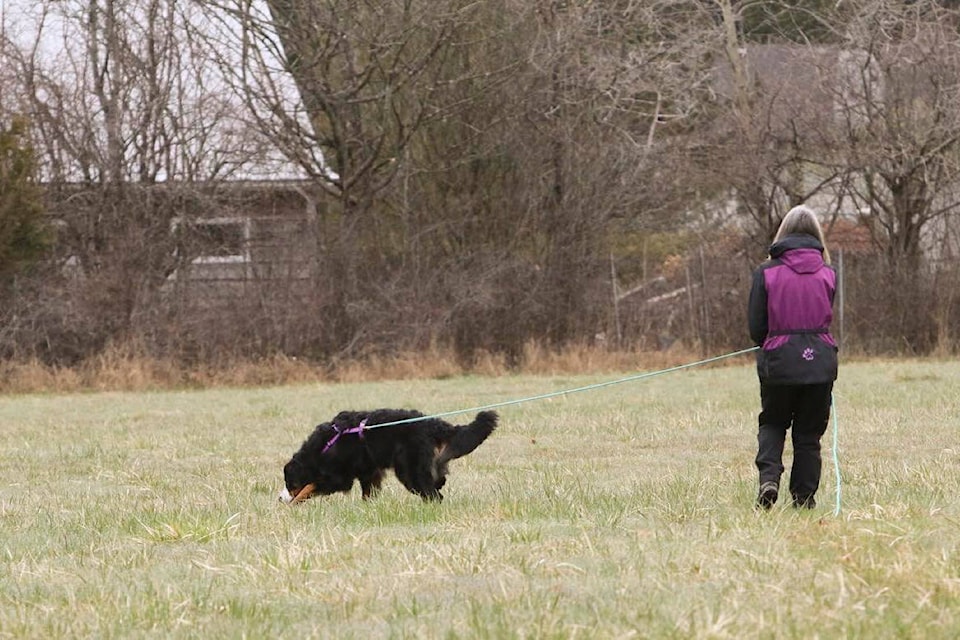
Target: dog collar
(339, 432)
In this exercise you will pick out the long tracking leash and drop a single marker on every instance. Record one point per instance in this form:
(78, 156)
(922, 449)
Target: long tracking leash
(836, 453)
(608, 383)
(554, 394)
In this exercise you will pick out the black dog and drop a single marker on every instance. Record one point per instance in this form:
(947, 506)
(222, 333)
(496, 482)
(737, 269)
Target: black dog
(347, 449)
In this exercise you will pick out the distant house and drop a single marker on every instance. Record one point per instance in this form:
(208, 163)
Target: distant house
(789, 83)
(810, 98)
(253, 230)
(886, 111)
(202, 241)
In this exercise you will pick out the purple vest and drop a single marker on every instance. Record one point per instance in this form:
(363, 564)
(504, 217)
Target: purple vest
(799, 297)
(790, 311)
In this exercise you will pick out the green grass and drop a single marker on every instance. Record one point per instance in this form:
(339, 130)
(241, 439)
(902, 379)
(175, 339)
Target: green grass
(624, 512)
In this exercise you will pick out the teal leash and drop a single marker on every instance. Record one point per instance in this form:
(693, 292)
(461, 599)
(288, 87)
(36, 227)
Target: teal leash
(836, 454)
(554, 394)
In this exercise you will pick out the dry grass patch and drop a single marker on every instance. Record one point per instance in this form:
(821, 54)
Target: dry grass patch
(127, 368)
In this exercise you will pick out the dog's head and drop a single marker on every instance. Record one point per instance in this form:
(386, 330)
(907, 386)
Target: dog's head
(297, 485)
(313, 470)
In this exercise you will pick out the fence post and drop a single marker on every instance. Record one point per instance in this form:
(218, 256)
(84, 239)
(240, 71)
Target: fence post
(616, 300)
(840, 289)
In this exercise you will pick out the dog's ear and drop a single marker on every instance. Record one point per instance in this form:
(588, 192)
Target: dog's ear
(349, 418)
(293, 473)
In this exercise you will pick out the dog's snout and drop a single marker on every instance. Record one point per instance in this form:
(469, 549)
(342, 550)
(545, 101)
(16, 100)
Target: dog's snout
(285, 496)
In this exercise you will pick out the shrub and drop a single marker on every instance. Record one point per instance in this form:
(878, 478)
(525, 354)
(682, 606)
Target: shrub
(24, 235)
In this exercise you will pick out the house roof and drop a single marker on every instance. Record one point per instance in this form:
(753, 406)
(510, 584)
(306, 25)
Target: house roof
(850, 236)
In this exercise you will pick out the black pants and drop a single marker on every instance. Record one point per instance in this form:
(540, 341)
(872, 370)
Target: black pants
(805, 408)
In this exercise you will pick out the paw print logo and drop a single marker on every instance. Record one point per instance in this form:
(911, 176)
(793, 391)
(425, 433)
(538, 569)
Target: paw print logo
(807, 354)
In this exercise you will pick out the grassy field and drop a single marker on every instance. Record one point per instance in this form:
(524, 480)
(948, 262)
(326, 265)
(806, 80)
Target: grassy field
(624, 512)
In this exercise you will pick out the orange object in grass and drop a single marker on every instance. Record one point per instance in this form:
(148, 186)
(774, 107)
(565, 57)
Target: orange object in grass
(304, 493)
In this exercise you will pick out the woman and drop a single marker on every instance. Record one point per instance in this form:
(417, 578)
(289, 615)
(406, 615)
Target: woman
(789, 314)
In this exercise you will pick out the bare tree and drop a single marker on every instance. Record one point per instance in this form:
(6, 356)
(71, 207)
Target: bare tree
(771, 136)
(117, 101)
(901, 124)
(864, 121)
(340, 87)
(865, 116)
(118, 92)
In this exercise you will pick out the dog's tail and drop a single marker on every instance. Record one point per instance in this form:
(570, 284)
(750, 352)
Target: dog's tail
(466, 438)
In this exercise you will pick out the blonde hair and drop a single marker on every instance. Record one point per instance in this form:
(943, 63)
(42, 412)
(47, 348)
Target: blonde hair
(802, 219)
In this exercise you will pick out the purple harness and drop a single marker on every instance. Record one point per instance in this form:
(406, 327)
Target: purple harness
(339, 432)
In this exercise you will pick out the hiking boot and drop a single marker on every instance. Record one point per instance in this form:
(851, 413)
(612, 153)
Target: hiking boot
(804, 502)
(768, 495)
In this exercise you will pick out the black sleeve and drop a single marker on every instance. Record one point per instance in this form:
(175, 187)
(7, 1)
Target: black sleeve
(836, 285)
(757, 308)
